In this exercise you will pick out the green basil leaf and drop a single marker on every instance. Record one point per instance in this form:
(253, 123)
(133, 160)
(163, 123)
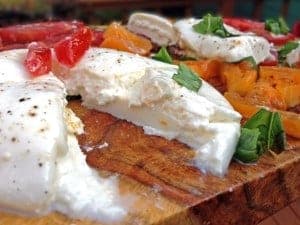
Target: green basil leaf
(286, 49)
(273, 26)
(247, 146)
(163, 55)
(283, 26)
(278, 26)
(212, 25)
(187, 78)
(262, 117)
(277, 136)
(262, 132)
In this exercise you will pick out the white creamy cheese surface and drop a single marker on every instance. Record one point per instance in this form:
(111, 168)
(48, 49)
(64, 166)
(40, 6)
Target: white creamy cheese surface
(12, 68)
(142, 91)
(294, 56)
(42, 168)
(160, 30)
(80, 192)
(231, 49)
(32, 136)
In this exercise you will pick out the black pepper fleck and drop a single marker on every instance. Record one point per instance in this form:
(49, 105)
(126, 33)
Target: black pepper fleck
(23, 99)
(32, 114)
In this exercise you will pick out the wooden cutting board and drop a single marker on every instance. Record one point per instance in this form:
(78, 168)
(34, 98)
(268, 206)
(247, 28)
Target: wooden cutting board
(162, 187)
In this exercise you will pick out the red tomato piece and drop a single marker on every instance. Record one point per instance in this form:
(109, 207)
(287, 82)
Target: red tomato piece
(275, 39)
(269, 62)
(38, 59)
(12, 46)
(296, 29)
(272, 61)
(37, 31)
(244, 24)
(258, 28)
(70, 50)
(97, 38)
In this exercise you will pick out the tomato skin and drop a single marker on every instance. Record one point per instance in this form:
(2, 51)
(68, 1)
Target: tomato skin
(243, 24)
(70, 50)
(97, 38)
(271, 61)
(38, 59)
(247, 25)
(45, 31)
(275, 39)
(296, 29)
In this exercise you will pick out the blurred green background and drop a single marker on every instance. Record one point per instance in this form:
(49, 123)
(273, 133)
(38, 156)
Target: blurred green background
(21, 11)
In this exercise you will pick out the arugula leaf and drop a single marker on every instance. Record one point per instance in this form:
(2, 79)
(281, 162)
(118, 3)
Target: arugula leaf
(286, 49)
(262, 132)
(187, 78)
(278, 26)
(212, 25)
(163, 55)
(250, 60)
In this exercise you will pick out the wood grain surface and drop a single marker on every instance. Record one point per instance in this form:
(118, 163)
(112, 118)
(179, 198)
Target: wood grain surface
(162, 187)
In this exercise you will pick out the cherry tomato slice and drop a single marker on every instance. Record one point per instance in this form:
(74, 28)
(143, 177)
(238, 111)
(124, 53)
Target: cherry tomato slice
(38, 59)
(37, 31)
(97, 38)
(275, 39)
(244, 24)
(258, 28)
(70, 50)
(269, 62)
(296, 29)
(272, 61)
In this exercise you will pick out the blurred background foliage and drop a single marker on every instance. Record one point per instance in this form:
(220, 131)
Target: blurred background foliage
(22, 11)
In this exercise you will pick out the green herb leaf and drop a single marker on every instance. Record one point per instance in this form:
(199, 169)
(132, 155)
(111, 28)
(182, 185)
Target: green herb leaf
(163, 55)
(262, 117)
(278, 26)
(276, 133)
(273, 26)
(283, 26)
(212, 25)
(286, 49)
(262, 132)
(250, 60)
(187, 78)
(247, 146)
